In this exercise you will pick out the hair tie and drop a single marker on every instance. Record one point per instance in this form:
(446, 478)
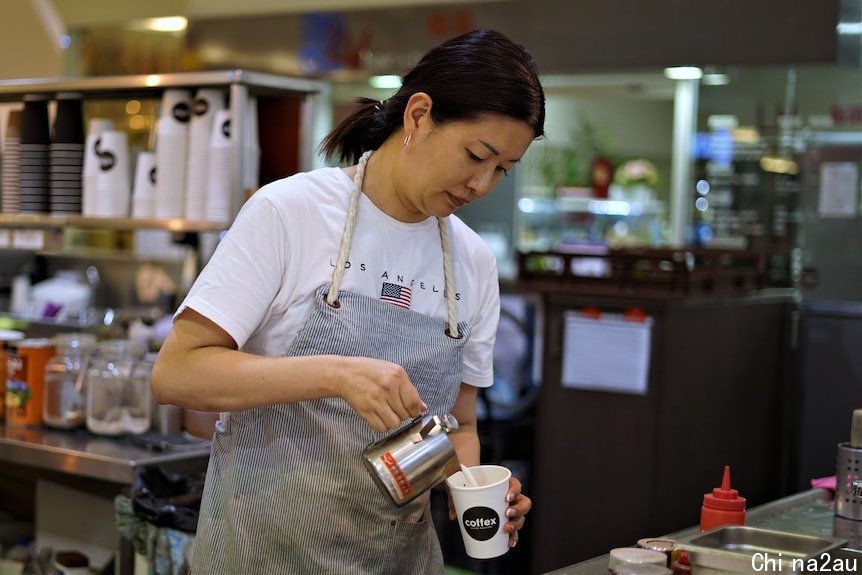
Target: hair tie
(380, 113)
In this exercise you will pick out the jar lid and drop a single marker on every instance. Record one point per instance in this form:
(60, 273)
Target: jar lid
(74, 340)
(636, 556)
(120, 346)
(32, 342)
(11, 335)
(657, 544)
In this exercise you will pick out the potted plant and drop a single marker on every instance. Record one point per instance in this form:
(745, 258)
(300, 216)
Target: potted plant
(583, 168)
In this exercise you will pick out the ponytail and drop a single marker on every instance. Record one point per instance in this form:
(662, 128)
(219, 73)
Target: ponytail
(366, 128)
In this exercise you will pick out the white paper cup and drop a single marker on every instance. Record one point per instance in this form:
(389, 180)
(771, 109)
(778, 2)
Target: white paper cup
(144, 187)
(113, 182)
(481, 510)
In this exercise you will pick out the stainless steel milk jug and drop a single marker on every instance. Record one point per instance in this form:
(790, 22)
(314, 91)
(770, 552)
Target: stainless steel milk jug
(414, 459)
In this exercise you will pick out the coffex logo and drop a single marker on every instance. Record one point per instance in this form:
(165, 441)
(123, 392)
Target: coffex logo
(481, 523)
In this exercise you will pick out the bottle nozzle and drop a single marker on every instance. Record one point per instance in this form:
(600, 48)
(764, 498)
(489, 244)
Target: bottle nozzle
(725, 496)
(725, 491)
(725, 481)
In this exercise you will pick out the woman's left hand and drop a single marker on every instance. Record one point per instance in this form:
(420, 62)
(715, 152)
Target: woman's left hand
(519, 506)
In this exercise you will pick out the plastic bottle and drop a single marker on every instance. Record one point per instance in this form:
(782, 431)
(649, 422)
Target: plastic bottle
(723, 506)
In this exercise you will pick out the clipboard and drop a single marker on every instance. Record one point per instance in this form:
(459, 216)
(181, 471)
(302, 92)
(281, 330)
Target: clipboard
(606, 352)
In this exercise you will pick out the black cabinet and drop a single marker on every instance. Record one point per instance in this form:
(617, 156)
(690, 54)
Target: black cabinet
(611, 468)
(829, 386)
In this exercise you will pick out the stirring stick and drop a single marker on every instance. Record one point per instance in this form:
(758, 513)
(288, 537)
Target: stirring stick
(471, 481)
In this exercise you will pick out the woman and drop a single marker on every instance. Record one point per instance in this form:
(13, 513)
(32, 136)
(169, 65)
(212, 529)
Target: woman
(343, 303)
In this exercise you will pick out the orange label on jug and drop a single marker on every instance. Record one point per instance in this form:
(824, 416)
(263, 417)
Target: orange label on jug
(397, 474)
(25, 383)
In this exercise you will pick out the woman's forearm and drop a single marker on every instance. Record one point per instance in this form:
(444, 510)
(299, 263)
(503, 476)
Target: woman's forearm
(222, 379)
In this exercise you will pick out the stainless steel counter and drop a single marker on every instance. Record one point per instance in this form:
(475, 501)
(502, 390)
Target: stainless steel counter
(83, 454)
(809, 512)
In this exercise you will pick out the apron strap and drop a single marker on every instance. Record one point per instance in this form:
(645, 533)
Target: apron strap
(448, 276)
(347, 238)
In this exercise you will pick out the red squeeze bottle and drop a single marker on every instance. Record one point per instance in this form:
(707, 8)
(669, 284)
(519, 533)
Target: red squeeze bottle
(723, 506)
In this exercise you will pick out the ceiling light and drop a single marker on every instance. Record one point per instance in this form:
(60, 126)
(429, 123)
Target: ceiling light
(683, 73)
(166, 24)
(387, 82)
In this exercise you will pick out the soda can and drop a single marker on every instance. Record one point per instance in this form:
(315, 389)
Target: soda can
(26, 380)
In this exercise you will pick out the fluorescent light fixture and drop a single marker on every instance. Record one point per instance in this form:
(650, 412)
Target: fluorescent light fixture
(166, 24)
(715, 79)
(683, 73)
(849, 28)
(387, 82)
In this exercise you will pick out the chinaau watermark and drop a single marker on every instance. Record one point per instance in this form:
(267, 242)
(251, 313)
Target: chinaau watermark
(823, 563)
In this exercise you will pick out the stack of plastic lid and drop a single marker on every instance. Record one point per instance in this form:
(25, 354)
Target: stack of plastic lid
(67, 155)
(172, 135)
(220, 170)
(35, 151)
(207, 103)
(91, 162)
(12, 164)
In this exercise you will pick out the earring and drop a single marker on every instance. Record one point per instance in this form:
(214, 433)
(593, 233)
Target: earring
(407, 139)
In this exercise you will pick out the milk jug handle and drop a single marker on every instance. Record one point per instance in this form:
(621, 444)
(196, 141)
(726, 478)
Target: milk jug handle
(436, 424)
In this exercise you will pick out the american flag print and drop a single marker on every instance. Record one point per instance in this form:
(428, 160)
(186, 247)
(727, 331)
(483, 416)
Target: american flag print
(396, 294)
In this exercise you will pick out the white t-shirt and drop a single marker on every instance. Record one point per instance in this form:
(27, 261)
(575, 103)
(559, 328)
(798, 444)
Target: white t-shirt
(259, 285)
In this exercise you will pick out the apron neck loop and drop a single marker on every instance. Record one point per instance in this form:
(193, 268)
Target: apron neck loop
(448, 276)
(347, 238)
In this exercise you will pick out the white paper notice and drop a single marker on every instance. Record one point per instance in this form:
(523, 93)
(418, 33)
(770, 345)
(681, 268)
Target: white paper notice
(608, 353)
(839, 187)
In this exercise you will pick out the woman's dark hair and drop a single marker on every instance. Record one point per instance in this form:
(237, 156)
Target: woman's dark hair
(476, 73)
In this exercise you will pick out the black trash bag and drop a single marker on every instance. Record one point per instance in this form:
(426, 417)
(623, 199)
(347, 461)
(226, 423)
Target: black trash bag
(167, 500)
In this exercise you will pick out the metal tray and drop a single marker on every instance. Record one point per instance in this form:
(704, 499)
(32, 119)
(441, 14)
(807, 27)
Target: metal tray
(742, 549)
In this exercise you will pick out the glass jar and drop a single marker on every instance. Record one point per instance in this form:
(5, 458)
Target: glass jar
(118, 400)
(65, 397)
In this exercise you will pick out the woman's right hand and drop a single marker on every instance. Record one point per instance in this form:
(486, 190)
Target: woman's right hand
(379, 391)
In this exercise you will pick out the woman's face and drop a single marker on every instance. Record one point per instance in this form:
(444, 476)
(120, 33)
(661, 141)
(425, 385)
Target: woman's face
(453, 164)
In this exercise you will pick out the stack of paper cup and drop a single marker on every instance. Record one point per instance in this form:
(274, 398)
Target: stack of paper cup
(91, 163)
(67, 155)
(207, 103)
(172, 136)
(251, 148)
(113, 186)
(35, 155)
(11, 164)
(144, 188)
(219, 170)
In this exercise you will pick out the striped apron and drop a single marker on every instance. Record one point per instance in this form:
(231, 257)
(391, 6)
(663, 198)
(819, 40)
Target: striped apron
(286, 490)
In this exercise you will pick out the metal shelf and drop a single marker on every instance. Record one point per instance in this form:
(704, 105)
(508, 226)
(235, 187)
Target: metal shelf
(25, 221)
(594, 206)
(143, 85)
